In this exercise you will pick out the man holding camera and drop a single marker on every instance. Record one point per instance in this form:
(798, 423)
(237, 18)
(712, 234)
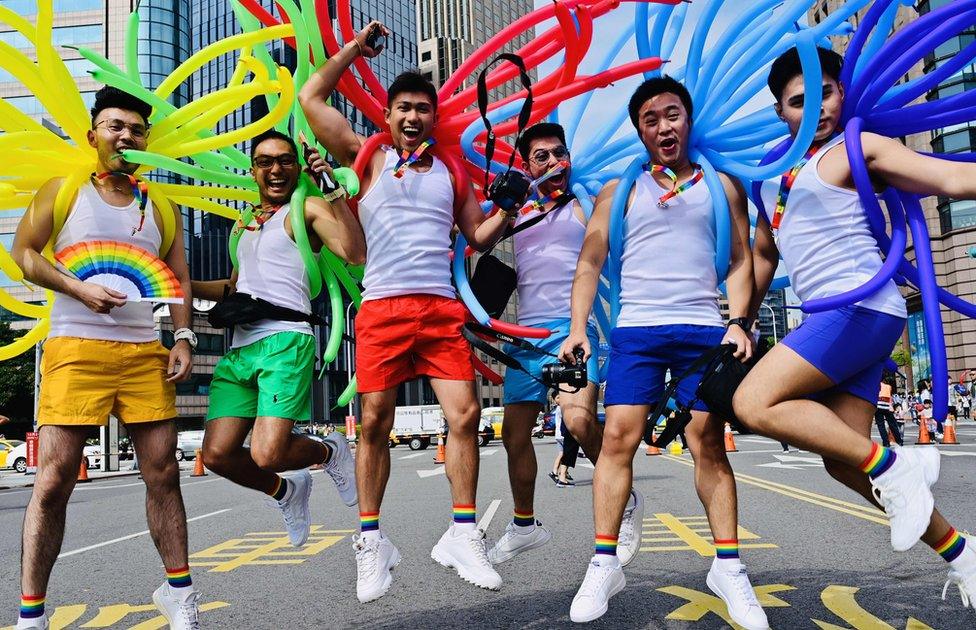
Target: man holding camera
(669, 315)
(546, 249)
(410, 321)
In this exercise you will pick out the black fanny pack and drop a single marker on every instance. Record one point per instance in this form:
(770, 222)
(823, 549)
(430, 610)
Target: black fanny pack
(241, 308)
(722, 375)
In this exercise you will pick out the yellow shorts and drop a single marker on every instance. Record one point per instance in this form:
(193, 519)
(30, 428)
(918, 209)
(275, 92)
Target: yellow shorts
(85, 380)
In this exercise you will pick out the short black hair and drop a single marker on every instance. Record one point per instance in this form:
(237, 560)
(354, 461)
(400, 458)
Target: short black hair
(788, 65)
(411, 81)
(651, 88)
(536, 131)
(272, 134)
(110, 97)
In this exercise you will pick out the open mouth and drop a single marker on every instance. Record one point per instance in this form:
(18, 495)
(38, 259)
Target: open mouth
(668, 144)
(411, 133)
(277, 185)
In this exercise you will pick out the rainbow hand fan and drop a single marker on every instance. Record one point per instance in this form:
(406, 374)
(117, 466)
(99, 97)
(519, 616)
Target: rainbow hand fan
(122, 267)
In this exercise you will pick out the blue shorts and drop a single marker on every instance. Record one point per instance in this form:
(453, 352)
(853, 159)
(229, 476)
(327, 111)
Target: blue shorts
(640, 357)
(520, 388)
(850, 345)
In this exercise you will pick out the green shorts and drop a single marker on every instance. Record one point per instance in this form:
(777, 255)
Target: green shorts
(270, 377)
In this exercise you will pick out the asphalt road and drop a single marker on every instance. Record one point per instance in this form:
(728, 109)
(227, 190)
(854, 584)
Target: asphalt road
(817, 555)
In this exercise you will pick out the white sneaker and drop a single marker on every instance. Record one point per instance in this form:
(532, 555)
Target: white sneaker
(342, 468)
(375, 559)
(593, 597)
(732, 585)
(904, 492)
(631, 527)
(181, 614)
(32, 624)
(513, 543)
(964, 579)
(467, 553)
(294, 508)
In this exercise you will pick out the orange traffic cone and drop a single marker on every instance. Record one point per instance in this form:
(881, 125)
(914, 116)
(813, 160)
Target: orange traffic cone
(729, 440)
(198, 470)
(949, 437)
(83, 471)
(923, 432)
(439, 458)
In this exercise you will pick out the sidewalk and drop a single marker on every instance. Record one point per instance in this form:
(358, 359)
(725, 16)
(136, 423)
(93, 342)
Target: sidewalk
(10, 480)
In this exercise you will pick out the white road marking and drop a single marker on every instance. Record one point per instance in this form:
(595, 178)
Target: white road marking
(961, 454)
(412, 455)
(486, 453)
(488, 515)
(430, 473)
(585, 463)
(131, 536)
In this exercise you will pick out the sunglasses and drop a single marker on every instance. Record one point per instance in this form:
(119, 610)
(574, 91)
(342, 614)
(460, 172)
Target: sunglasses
(286, 160)
(541, 157)
(116, 127)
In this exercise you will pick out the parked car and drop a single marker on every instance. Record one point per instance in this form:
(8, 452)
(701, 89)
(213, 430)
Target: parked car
(5, 447)
(17, 457)
(187, 443)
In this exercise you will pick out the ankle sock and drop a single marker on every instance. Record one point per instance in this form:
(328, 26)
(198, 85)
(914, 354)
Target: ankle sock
(280, 490)
(369, 522)
(951, 546)
(31, 606)
(464, 517)
(879, 461)
(727, 549)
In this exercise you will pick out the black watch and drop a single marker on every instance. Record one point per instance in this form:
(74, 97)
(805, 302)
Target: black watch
(741, 322)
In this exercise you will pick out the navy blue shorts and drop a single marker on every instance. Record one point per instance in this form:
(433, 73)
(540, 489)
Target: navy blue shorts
(850, 346)
(640, 357)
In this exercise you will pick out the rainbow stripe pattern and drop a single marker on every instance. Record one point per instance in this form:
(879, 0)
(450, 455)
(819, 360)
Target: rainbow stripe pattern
(727, 549)
(951, 545)
(879, 461)
(280, 489)
(124, 267)
(179, 578)
(524, 519)
(31, 606)
(464, 513)
(605, 545)
(369, 521)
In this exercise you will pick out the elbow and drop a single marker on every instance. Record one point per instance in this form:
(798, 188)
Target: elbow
(307, 95)
(357, 257)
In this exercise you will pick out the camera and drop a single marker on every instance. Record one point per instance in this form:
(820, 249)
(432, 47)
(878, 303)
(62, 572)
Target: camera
(572, 374)
(376, 39)
(509, 190)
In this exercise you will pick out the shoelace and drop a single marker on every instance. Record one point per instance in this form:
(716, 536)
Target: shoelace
(189, 612)
(959, 584)
(367, 558)
(595, 577)
(626, 532)
(480, 548)
(741, 581)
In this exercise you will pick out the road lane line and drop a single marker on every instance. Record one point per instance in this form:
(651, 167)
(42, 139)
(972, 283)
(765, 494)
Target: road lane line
(131, 536)
(488, 515)
(412, 455)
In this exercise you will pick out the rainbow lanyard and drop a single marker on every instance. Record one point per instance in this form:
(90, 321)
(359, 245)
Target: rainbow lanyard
(260, 218)
(406, 159)
(676, 189)
(539, 203)
(786, 185)
(540, 200)
(140, 190)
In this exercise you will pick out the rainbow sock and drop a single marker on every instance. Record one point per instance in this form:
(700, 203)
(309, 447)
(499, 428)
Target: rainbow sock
(879, 461)
(727, 549)
(524, 519)
(369, 521)
(464, 513)
(280, 489)
(31, 606)
(605, 545)
(179, 578)
(951, 545)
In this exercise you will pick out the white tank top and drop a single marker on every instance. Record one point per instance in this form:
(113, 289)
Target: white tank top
(269, 266)
(545, 259)
(668, 264)
(826, 243)
(407, 223)
(91, 219)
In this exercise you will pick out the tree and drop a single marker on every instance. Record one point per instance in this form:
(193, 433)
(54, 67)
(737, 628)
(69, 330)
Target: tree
(16, 380)
(900, 355)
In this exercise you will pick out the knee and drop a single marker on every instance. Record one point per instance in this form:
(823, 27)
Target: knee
(618, 441)
(267, 455)
(375, 430)
(750, 407)
(216, 459)
(161, 471)
(53, 485)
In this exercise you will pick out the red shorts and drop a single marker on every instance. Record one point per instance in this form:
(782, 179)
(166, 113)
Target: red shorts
(400, 338)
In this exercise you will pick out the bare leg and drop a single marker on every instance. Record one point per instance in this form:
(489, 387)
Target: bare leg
(714, 479)
(614, 473)
(155, 445)
(59, 458)
(461, 409)
(224, 453)
(579, 416)
(522, 465)
(373, 452)
(274, 447)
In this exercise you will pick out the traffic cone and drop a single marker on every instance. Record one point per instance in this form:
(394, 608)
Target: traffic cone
(83, 471)
(923, 432)
(729, 440)
(653, 450)
(439, 458)
(198, 470)
(949, 437)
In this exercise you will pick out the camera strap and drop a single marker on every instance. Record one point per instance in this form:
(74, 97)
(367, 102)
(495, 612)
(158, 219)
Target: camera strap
(471, 332)
(524, 114)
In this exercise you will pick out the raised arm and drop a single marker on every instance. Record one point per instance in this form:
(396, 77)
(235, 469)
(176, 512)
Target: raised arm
(897, 165)
(328, 124)
(337, 228)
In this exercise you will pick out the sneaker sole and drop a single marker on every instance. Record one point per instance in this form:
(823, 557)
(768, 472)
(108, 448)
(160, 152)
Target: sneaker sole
(713, 588)
(603, 610)
(308, 516)
(511, 554)
(386, 584)
(442, 560)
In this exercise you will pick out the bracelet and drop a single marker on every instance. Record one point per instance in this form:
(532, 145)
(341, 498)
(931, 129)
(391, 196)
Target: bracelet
(359, 47)
(338, 193)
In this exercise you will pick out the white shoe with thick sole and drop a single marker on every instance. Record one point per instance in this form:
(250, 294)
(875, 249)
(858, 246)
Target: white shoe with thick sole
(342, 468)
(904, 491)
(294, 508)
(376, 557)
(181, 614)
(512, 543)
(467, 553)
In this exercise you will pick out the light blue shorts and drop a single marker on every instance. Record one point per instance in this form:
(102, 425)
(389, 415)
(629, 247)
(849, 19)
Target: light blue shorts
(520, 388)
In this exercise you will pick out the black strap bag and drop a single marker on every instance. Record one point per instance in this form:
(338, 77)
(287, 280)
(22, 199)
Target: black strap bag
(240, 308)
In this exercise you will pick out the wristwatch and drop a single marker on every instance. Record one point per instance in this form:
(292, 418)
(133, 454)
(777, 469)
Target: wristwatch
(189, 335)
(741, 322)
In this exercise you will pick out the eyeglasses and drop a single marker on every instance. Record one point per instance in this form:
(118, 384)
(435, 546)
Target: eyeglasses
(541, 157)
(116, 127)
(285, 160)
